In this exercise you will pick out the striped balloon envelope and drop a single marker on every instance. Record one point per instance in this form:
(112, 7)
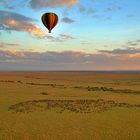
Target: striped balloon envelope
(49, 20)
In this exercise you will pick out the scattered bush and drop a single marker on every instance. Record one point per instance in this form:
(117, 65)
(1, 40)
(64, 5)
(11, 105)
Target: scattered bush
(19, 82)
(44, 93)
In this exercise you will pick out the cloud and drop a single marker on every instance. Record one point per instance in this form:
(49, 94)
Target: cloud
(10, 21)
(40, 4)
(16, 5)
(2, 46)
(8, 44)
(67, 20)
(85, 42)
(101, 17)
(87, 10)
(6, 4)
(66, 36)
(67, 60)
(61, 38)
(53, 57)
(11, 44)
(105, 13)
(130, 15)
(5, 15)
(133, 43)
(82, 8)
(113, 8)
(128, 50)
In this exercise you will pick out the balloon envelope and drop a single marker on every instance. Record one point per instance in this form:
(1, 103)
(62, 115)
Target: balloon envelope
(49, 20)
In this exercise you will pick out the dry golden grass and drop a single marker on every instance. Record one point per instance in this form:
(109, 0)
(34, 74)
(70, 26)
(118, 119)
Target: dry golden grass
(69, 105)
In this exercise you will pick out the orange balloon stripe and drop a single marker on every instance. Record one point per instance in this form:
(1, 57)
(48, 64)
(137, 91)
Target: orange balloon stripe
(52, 21)
(52, 18)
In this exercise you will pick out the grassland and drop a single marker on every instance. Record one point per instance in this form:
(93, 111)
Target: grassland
(69, 105)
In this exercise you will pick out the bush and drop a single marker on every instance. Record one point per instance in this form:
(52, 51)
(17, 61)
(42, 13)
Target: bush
(44, 93)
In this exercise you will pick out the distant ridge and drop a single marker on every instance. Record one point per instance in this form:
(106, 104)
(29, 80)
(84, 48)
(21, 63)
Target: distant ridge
(79, 71)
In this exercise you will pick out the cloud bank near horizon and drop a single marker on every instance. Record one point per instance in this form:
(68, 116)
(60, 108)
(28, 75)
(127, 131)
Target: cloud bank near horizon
(70, 60)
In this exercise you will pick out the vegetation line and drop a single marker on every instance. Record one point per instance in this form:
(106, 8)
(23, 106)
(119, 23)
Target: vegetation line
(109, 89)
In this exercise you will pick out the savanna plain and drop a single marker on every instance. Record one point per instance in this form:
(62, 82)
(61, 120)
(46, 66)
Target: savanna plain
(69, 106)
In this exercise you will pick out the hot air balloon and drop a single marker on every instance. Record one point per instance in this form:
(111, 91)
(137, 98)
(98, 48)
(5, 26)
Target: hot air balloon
(49, 20)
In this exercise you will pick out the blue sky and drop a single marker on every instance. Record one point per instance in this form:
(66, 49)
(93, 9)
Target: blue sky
(89, 31)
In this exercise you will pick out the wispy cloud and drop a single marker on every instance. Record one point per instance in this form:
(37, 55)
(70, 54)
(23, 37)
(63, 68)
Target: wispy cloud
(87, 10)
(128, 50)
(130, 15)
(67, 20)
(133, 43)
(4, 45)
(14, 5)
(10, 21)
(66, 36)
(7, 4)
(9, 44)
(61, 38)
(113, 7)
(40, 4)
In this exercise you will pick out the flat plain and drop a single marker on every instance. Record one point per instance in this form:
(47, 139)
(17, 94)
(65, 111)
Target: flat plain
(69, 105)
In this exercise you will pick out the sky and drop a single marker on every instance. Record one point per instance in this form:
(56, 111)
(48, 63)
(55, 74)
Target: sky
(90, 35)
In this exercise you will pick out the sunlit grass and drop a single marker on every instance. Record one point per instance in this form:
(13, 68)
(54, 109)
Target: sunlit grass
(40, 106)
